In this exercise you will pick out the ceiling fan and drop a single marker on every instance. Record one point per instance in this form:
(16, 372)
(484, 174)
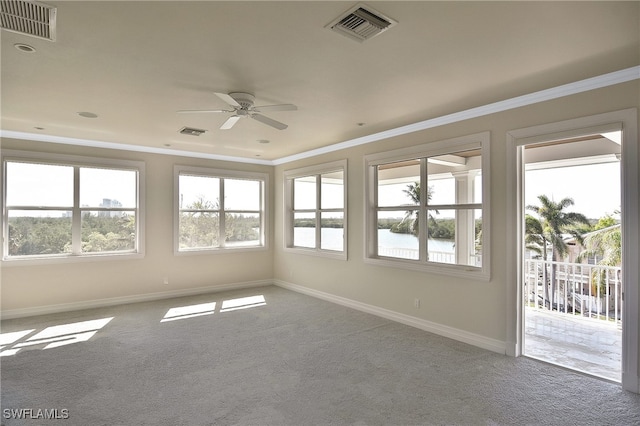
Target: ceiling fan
(242, 104)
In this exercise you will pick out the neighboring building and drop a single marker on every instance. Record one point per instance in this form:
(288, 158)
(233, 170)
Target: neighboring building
(575, 248)
(109, 203)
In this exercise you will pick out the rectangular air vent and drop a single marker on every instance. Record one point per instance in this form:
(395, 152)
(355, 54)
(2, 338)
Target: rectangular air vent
(191, 131)
(361, 23)
(28, 17)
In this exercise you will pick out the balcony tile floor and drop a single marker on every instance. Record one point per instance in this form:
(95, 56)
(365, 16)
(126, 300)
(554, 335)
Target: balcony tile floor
(591, 346)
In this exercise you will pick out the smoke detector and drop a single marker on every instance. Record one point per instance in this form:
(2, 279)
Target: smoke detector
(361, 23)
(29, 17)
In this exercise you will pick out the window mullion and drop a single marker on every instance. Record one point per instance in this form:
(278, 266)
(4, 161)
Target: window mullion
(455, 206)
(221, 215)
(262, 207)
(373, 213)
(318, 211)
(136, 212)
(76, 215)
(423, 231)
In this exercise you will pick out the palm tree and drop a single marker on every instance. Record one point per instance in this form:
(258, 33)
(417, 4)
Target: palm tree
(534, 236)
(413, 192)
(606, 244)
(548, 233)
(536, 241)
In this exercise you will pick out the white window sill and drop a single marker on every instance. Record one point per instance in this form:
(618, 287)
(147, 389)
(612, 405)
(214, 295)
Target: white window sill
(462, 271)
(66, 259)
(221, 250)
(329, 254)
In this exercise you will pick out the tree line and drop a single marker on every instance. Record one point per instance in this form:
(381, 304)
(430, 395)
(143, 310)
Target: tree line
(545, 230)
(29, 235)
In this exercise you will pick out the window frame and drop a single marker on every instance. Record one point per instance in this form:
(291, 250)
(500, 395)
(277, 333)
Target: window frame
(289, 195)
(77, 162)
(221, 174)
(421, 152)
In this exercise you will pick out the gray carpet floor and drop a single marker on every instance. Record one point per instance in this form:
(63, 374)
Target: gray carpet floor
(292, 360)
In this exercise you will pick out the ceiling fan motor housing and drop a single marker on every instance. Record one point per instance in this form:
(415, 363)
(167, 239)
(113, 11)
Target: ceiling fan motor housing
(245, 100)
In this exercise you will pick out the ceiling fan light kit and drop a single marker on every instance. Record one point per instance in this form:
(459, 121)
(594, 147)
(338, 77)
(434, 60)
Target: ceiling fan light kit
(242, 105)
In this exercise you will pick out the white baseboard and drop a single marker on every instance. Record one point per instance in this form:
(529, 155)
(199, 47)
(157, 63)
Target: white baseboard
(100, 303)
(432, 327)
(512, 349)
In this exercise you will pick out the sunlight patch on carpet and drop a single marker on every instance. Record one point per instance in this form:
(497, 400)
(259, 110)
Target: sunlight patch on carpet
(242, 303)
(54, 336)
(183, 312)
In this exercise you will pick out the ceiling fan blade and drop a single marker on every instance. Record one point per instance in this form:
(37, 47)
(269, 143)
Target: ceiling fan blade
(228, 99)
(188, 111)
(231, 121)
(281, 107)
(268, 121)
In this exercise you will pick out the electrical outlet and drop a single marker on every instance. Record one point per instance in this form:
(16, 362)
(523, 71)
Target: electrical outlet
(416, 303)
(166, 281)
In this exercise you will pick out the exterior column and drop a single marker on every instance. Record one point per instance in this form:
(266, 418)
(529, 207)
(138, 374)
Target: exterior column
(465, 221)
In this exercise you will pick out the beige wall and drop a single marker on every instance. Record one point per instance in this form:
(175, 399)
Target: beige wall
(473, 307)
(32, 286)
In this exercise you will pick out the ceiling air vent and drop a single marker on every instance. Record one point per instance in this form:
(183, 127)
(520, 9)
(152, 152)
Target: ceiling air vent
(191, 131)
(29, 17)
(361, 23)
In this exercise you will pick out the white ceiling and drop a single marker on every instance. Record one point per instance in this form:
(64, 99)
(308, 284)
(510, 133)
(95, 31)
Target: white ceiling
(134, 64)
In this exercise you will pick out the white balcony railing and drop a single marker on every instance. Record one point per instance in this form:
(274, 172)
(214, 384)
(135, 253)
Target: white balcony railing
(434, 256)
(574, 288)
(407, 253)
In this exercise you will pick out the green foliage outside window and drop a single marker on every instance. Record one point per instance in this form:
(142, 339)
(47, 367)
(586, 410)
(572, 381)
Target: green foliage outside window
(52, 235)
(200, 226)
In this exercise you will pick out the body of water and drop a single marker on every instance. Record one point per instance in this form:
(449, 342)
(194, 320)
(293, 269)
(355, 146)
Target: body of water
(332, 240)
(388, 239)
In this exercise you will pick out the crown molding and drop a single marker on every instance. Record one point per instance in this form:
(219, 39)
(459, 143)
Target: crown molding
(37, 137)
(580, 86)
(593, 83)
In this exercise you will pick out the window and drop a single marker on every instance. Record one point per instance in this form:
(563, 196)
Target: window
(71, 207)
(315, 209)
(219, 209)
(427, 207)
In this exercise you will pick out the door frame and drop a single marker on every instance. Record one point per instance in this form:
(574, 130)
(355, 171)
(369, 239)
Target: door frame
(627, 121)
